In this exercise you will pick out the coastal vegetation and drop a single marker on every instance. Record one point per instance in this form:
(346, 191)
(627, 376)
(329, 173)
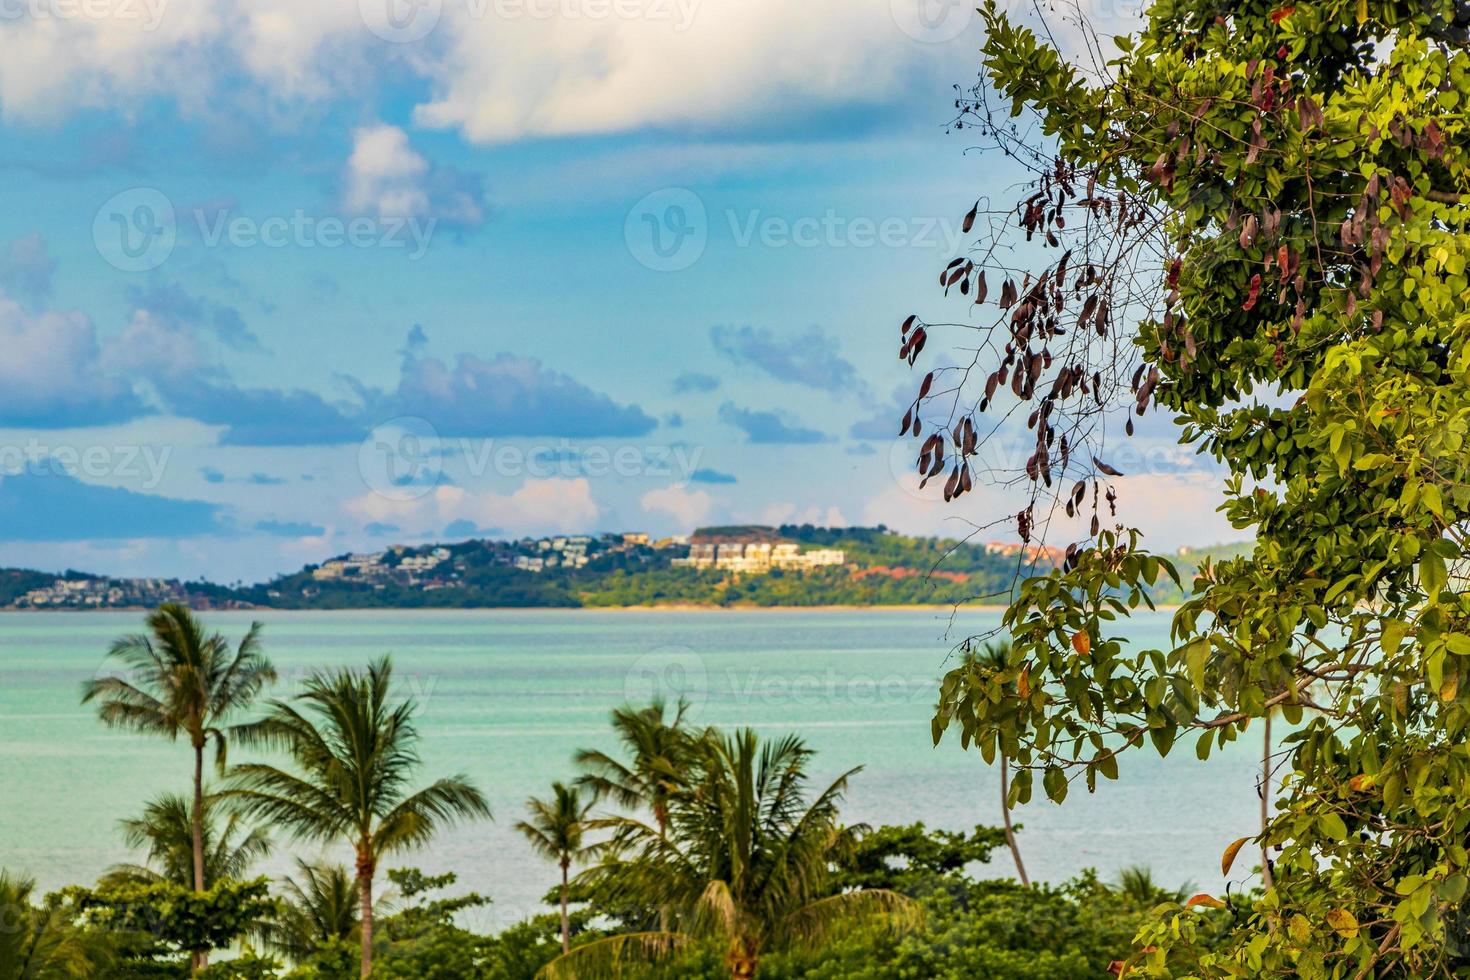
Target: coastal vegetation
(677, 851)
(1251, 217)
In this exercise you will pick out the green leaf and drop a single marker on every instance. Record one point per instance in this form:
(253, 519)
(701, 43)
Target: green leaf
(1196, 655)
(1432, 573)
(1333, 826)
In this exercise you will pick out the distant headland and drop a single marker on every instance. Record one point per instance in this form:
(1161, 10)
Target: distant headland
(733, 566)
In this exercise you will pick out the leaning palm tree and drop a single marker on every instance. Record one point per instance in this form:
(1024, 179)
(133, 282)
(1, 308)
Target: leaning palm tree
(355, 752)
(320, 906)
(165, 832)
(39, 943)
(181, 680)
(657, 749)
(995, 657)
(555, 831)
(745, 859)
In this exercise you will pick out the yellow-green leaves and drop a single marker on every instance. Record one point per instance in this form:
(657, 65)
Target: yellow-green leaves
(1343, 922)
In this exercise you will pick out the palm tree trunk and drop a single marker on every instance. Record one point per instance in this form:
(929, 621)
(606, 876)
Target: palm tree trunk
(200, 958)
(1005, 810)
(566, 925)
(365, 872)
(661, 814)
(1266, 801)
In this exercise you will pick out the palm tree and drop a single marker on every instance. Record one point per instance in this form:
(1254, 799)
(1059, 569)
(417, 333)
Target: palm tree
(1137, 883)
(995, 657)
(555, 832)
(165, 831)
(745, 857)
(182, 681)
(321, 906)
(355, 756)
(657, 750)
(39, 943)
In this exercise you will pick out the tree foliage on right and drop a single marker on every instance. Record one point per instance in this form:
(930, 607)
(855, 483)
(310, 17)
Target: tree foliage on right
(1252, 217)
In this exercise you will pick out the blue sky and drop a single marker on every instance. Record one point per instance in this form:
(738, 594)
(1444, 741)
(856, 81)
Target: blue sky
(281, 280)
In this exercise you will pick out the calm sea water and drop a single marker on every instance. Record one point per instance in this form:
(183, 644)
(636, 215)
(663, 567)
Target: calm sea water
(508, 696)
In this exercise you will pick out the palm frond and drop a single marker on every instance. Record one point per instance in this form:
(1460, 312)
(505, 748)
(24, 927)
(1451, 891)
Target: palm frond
(302, 808)
(415, 820)
(817, 923)
(612, 956)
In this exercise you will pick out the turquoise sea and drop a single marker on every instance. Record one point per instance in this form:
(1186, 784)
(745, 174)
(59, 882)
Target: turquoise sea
(508, 696)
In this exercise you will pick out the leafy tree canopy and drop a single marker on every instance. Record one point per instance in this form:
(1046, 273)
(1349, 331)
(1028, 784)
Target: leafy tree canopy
(1252, 217)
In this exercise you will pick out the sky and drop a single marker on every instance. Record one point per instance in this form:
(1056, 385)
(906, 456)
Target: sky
(282, 279)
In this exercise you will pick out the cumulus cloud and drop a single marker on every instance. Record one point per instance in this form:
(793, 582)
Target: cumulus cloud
(508, 396)
(387, 178)
(108, 57)
(492, 75)
(767, 427)
(688, 508)
(170, 303)
(809, 359)
(162, 348)
(53, 375)
(384, 174)
(538, 506)
(261, 416)
(57, 373)
(680, 62)
(1170, 509)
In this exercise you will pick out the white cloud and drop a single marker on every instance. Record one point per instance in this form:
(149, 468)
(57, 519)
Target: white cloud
(384, 174)
(53, 372)
(688, 508)
(683, 61)
(387, 178)
(153, 346)
(1175, 509)
(105, 54)
(1171, 509)
(498, 69)
(282, 42)
(538, 506)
